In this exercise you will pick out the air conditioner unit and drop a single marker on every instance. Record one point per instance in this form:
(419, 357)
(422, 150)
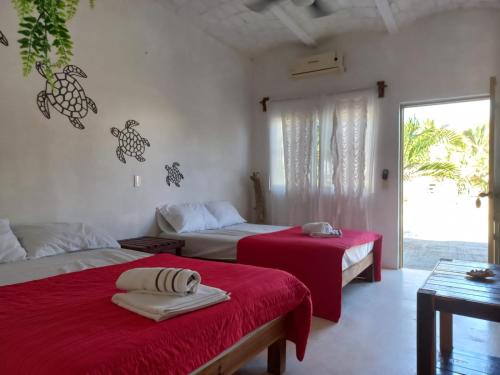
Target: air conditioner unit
(311, 66)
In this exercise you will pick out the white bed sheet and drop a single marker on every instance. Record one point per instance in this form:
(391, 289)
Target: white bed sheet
(34, 269)
(221, 243)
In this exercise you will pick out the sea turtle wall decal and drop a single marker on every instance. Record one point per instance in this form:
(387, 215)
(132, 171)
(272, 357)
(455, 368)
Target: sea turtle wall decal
(130, 142)
(3, 39)
(66, 95)
(174, 175)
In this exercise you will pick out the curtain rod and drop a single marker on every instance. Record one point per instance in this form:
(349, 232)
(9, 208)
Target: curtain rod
(381, 86)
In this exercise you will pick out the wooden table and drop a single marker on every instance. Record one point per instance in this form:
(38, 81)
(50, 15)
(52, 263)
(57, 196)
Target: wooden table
(153, 245)
(449, 291)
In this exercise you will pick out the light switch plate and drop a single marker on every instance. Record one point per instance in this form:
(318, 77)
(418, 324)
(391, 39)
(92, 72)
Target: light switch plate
(137, 181)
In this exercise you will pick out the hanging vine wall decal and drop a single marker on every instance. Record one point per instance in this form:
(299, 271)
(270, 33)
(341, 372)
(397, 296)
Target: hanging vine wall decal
(3, 39)
(174, 175)
(130, 142)
(43, 25)
(66, 95)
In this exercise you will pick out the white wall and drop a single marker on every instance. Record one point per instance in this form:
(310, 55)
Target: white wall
(191, 96)
(190, 93)
(445, 56)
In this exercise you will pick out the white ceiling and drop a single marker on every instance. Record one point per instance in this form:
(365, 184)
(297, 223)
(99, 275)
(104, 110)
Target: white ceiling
(251, 33)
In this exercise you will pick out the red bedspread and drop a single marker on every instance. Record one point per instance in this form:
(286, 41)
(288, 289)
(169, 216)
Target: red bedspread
(67, 324)
(317, 262)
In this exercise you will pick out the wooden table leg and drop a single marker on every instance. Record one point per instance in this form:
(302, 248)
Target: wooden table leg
(426, 333)
(276, 357)
(445, 333)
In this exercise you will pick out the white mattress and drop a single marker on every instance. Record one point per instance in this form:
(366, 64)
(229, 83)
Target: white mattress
(221, 243)
(34, 269)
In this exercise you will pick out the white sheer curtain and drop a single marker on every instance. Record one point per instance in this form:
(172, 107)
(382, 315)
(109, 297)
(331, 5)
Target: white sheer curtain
(322, 159)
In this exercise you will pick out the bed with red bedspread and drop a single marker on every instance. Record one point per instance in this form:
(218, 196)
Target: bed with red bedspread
(67, 324)
(317, 262)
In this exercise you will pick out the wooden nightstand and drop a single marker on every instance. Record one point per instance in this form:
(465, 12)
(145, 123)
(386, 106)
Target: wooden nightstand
(153, 245)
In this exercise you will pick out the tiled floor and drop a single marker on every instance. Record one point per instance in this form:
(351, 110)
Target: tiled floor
(424, 254)
(376, 334)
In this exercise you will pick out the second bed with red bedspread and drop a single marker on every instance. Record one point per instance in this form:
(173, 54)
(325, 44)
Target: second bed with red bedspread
(317, 262)
(67, 324)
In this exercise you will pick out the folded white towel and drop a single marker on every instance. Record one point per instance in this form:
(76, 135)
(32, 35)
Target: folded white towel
(335, 233)
(160, 307)
(319, 227)
(160, 280)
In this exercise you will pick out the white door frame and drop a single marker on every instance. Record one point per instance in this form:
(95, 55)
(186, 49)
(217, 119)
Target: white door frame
(494, 188)
(402, 107)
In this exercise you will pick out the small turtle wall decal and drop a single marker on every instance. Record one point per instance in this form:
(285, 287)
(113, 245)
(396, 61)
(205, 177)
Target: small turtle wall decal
(130, 142)
(66, 95)
(174, 175)
(3, 39)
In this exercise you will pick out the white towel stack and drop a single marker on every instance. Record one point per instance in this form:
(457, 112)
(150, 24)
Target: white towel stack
(162, 293)
(318, 227)
(321, 230)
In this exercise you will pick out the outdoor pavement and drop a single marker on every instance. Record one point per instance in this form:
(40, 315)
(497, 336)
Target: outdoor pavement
(424, 254)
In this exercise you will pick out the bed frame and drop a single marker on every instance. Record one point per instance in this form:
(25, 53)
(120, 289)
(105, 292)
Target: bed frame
(363, 269)
(272, 335)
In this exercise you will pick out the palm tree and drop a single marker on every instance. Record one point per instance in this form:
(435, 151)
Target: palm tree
(475, 159)
(418, 140)
(477, 139)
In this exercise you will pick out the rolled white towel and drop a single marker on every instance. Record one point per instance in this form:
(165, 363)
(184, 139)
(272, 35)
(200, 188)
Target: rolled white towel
(319, 227)
(160, 307)
(160, 280)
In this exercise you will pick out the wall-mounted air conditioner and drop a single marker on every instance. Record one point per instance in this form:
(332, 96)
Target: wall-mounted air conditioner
(311, 66)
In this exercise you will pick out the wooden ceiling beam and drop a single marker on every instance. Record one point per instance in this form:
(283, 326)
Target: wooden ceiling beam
(293, 26)
(384, 8)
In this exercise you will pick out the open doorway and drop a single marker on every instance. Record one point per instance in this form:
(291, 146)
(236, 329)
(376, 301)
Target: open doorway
(445, 153)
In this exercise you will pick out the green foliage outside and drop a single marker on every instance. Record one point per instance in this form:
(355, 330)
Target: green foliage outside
(474, 161)
(45, 35)
(463, 157)
(419, 140)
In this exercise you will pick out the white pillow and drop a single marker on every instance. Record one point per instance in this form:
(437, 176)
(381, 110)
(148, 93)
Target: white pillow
(10, 249)
(225, 213)
(162, 223)
(42, 240)
(188, 217)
